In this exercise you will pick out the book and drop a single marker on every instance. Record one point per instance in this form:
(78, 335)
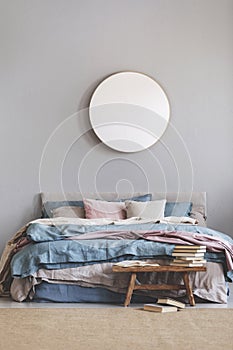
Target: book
(188, 264)
(190, 246)
(190, 258)
(189, 250)
(159, 308)
(189, 254)
(134, 263)
(171, 302)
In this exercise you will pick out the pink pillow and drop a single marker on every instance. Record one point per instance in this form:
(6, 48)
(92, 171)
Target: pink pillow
(95, 209)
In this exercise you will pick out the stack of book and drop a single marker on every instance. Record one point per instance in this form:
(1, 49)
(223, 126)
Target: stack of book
(189, 255)
(165, 305)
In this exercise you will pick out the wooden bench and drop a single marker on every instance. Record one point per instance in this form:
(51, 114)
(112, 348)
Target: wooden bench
(161, 268)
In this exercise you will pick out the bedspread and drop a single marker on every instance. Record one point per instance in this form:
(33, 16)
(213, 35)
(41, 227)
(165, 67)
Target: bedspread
(56, 244)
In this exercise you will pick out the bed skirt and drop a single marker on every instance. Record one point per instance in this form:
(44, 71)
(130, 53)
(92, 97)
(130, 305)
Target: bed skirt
(67, 293)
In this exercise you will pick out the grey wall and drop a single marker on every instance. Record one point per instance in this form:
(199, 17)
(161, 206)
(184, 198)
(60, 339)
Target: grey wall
(55, 52)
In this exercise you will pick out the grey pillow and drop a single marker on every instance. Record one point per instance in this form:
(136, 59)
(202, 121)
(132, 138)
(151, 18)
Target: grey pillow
(199, 217)
(68, 212)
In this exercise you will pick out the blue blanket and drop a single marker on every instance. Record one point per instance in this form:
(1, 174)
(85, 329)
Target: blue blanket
(51, 249)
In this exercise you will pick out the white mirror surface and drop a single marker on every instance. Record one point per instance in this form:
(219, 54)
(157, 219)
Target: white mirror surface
(129, 111)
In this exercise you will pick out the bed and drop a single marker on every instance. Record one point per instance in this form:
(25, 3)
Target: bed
(68, 254)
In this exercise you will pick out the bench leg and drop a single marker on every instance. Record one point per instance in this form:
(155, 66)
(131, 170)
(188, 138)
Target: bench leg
(130, 289)
(188, 288)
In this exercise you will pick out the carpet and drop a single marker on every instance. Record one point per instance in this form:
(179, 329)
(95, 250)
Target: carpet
(115, 328)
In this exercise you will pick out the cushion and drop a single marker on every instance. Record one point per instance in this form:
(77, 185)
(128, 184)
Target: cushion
(178, 209)
(49, 206)
(144, 198)
(69, 212)
(146, 210)
(95, 209)
(201, 221)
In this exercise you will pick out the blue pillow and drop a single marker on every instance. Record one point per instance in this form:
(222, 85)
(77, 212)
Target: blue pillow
(178, 208)
(49, 206)
(143, 198)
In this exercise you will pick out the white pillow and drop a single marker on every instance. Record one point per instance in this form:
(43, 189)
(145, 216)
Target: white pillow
(146, 210)
(68, 212)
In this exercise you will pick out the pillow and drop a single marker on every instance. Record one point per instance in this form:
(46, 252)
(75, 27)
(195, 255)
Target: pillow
(48, 207)
(201, 221)
(146, 210)
(178, 209)
(143, 198)
(68, 212)
(95, 209)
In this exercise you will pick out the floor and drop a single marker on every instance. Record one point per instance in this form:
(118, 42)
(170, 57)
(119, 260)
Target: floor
(9, 303)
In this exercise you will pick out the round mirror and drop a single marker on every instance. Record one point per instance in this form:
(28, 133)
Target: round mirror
(129, 111)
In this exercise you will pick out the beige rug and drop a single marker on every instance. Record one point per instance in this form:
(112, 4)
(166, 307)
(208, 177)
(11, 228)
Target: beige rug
(115, 328)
